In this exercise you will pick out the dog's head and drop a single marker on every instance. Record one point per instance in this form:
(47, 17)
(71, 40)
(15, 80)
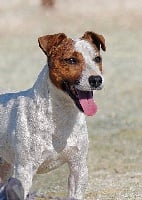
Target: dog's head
(75, 66)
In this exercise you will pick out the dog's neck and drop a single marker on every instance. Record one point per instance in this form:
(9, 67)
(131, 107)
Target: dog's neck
(61, 109)
(44, 89)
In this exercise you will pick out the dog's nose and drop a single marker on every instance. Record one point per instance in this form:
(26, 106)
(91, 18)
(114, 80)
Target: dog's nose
(95, 81)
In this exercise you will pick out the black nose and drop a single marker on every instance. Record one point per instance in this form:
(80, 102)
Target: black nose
(95, 81)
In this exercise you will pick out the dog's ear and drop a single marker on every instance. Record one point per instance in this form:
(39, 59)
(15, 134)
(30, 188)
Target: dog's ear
(48, 41)
(96, 39)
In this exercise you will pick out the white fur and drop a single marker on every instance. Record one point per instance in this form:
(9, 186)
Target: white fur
(91, 68)
(41, 129)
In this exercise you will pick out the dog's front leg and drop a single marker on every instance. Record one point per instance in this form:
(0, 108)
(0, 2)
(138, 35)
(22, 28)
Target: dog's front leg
(24, 174)
(78, 179)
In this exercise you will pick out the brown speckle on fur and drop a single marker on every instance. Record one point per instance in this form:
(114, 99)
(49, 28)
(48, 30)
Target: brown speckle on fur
(59, 69)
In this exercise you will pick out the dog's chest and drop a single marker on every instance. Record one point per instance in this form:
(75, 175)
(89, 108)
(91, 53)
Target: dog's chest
(60, 127)
(67, 139)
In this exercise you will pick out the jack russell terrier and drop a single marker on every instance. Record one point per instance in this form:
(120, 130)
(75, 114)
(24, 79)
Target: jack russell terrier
(44, 127)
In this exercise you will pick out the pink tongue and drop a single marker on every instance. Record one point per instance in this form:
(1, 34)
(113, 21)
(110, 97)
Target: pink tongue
(86, 100)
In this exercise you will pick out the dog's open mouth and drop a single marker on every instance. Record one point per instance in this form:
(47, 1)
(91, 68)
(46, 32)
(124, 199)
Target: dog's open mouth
(83, 99)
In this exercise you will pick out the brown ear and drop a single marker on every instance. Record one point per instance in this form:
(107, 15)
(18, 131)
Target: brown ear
(48, 41)
(96, 39)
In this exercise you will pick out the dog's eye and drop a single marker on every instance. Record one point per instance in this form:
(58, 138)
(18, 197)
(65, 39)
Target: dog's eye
(97, 59)
(71, 61)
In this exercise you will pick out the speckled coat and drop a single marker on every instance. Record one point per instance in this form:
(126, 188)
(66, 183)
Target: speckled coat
(41, 129)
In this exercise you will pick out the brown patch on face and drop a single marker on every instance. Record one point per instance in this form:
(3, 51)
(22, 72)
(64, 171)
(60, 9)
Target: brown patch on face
(101, 68)
(65, 64)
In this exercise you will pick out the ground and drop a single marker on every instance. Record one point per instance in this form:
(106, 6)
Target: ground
(115, 132)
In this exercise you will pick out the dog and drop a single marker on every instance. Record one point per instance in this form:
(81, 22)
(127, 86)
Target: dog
(44, 127)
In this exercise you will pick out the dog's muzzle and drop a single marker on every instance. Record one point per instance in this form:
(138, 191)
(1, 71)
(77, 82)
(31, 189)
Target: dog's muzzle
(95, 82)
